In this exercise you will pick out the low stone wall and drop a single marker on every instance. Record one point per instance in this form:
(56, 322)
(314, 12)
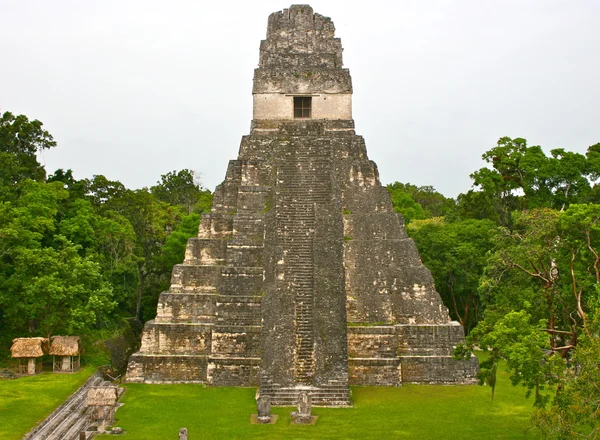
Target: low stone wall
(167, 368)
(439, 370)
(233, 371)
(374, 372)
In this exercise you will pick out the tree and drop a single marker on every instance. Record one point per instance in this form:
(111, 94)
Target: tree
(46, 285)
(575, 412)
(455, 252)
(77, 188)
(418, 202)
(152, 222)
(115, 246)
(105, 194)
(20, 141)
(509, 173)
(569, 176)
(108, 238)
(523, 177)
(580, 239)
(541, 286)
(522, 344)
(528, 271)
(56, 289)
(548, 263)
(74, 254)
(173, 251)
(183, 188)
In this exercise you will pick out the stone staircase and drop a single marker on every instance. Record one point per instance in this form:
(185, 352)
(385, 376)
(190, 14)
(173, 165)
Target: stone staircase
(327, 395)
(303, 186)
(303, 181)
(69, 419)
(298, 250)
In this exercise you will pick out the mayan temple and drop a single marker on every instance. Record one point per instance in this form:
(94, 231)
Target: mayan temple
(302, 276)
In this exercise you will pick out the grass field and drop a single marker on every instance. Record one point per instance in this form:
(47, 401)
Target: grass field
(410, 412)
(156, 412)
(28, 400)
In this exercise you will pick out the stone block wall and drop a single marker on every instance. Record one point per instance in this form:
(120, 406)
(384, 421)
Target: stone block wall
(233, 372)
(439, 370)
(375, 372)
(176, 338)
(208, 324)
(150, 368)
(429, 339)
(396, 354)
(187, 308)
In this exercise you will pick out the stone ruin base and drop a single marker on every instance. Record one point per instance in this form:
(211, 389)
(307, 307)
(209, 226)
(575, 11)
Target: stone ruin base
(393, 355)
(156, 368)
(383, 355)
(166, 368)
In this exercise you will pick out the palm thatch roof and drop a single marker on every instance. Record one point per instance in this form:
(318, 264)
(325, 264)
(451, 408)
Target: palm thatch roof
(64, 345)
(28, 347)
(102, 396)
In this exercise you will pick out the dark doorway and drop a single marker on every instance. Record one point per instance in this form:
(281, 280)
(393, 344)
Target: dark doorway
(302, 107)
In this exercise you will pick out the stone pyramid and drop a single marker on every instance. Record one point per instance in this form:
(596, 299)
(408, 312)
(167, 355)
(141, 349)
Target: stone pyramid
(302, 277)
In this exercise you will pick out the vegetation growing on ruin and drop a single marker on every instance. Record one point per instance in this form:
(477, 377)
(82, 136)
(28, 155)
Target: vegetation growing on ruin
(268, 203)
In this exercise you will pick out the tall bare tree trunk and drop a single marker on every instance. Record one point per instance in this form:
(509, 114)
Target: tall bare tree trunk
(138, 307)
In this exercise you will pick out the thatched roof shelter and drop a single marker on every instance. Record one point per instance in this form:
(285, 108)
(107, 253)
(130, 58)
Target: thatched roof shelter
(102, 396)
(64, 346)
(28, 347)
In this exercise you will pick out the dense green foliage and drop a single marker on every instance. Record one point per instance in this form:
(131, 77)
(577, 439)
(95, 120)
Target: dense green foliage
(524, 177)
(20, 140)
(575, 411)
(418, 202)
(455, 252)
(76, 256)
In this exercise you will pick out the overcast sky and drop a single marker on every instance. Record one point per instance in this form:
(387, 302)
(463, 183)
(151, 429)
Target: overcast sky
(135, 89)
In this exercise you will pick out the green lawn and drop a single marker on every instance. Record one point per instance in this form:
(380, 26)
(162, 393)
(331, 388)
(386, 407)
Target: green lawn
(410, 412)
(158, 411)
(28, 400)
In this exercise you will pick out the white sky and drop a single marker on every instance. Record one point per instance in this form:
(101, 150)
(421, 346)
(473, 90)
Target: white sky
(133, 89)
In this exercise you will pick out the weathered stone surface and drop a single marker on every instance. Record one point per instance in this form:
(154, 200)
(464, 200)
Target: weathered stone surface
(183, 434)
(302, 279)
(263, 408)
(150, 368)
(407, 353)
(303, 415)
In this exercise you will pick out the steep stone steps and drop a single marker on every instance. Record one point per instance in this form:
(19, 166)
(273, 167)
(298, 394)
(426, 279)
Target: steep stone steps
(69, 419)
(303, 180)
